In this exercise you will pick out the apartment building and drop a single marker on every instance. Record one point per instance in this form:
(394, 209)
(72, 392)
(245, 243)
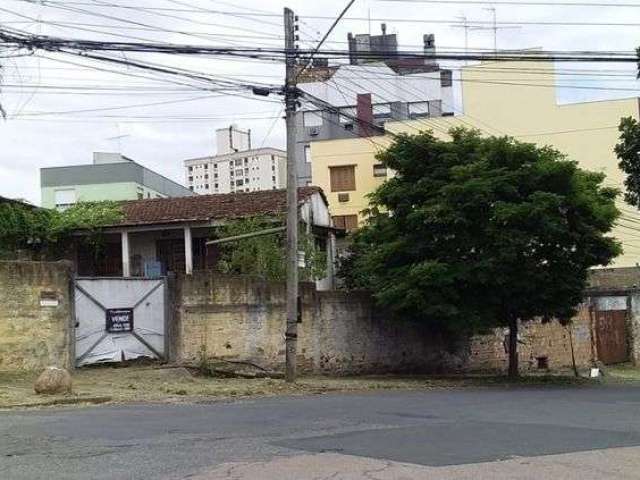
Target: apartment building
(236, 167)
(111, 176)
(378, 86)
(518, 100)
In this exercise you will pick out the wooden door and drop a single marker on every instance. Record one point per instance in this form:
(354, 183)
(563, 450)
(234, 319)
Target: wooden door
(611, 330)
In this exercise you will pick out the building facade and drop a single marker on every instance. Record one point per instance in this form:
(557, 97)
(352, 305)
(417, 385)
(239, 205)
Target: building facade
(112, 176)
(236, 167)
(378, 86)
(519, 100)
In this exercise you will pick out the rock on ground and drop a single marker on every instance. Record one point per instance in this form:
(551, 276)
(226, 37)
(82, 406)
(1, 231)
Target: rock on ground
(52, 381)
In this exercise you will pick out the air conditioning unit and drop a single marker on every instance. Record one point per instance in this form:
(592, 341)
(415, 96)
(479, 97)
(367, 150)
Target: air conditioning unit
(343, 197)
(314, 131)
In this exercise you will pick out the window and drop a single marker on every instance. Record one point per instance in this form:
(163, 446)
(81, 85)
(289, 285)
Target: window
(348, 222)
(343, 179)
(206, 167)
(191, 188)
(140, 195)
(419, 109)
(239, 172)
(65, 198)
(238, 162)
(446, 78)
(307, 153)
(379, 170)
(239, 183)
(312, 119)
(215, 185)
(273, 179)
(246, 171)
(206, 186)
(191, 179)
(190, 169)
(206, 177)
(148, 194)
(246, 161)
(215, 166)
(215, 175)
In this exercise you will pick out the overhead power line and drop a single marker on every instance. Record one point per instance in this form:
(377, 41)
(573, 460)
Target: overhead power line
(522, 3)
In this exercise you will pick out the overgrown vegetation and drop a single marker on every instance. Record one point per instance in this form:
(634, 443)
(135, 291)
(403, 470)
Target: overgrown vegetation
(481, 233)
(46, 233)
(264, 256)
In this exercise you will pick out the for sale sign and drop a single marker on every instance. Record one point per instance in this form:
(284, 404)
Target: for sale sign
(119, 320)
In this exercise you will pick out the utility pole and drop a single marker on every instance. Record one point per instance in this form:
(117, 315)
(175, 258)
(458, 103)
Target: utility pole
(291, 98)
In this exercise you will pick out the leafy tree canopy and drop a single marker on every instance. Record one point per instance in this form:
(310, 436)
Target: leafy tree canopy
(478, 232)
(265, 255)
(628, 152)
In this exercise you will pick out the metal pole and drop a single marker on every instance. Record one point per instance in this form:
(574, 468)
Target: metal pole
(291, 332)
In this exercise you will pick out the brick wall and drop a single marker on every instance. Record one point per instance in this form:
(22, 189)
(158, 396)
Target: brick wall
(34, 315)
(620, 278)
(538, 340)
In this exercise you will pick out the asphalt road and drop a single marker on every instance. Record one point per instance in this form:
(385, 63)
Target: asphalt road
(429, 429)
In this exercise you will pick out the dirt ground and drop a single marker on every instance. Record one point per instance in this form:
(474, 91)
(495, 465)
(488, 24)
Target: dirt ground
(161, 384)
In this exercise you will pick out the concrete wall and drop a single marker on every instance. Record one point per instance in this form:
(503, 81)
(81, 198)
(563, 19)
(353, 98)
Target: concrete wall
(241, 319)
(35, 315)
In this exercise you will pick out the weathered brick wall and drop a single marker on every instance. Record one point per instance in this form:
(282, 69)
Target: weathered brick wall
(550, 340)
(619, 278)
(35, 315)
(243, 319)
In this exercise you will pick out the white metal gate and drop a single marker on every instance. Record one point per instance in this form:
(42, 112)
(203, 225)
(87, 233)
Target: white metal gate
(120, 319)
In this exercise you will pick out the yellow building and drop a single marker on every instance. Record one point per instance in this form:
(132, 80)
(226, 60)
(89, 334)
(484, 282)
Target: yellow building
(515, 99)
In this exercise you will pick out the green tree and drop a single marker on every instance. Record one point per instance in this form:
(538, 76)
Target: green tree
(628, 153)
(264, 256)
(475, 233)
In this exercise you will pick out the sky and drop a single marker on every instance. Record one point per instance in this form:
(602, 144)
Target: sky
(62, 108)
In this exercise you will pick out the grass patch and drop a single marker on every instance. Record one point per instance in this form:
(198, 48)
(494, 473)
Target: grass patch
(150, 383)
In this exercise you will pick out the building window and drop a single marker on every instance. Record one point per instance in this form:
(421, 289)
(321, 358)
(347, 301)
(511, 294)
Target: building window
(419, 109)
(379, 170)
(348, 222)
(307, 153)
(190, 169)
(215, 185)
(191, 188)
(140, 195)
(65, 198)
(215, 166)
(206, 177)
(312, 119)
(191, 179)
(239, 183)
(446, 78)
(239, 173)
(238, 162)
(206, 167)
(273, 179)
(343, 179)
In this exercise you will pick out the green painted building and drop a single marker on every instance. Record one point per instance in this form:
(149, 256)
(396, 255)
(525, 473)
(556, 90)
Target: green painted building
(112, 176)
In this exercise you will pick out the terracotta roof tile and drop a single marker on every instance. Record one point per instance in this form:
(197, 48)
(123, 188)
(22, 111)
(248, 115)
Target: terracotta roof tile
(202, 208)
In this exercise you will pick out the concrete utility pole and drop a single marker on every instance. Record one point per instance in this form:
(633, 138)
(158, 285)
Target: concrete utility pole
(291, 96)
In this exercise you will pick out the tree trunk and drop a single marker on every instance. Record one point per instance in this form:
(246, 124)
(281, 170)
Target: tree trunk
(513, 348)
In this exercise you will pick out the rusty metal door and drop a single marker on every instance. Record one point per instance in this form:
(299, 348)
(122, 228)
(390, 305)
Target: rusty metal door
(120, 319)
(611, 336)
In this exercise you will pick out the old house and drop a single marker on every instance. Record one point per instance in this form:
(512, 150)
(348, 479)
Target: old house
(163, 235)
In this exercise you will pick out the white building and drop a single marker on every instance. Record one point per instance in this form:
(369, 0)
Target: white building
(237, 167)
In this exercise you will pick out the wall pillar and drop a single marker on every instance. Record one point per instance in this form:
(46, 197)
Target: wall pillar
(126, 267)
(188, 251)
